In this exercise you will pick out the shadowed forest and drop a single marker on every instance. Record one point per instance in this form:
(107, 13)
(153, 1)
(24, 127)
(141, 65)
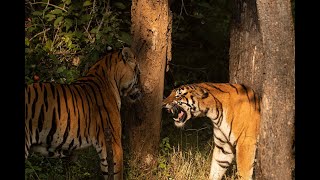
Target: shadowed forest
(63, 38)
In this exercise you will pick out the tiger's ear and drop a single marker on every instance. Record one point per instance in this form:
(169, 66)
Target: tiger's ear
(128, 54)
(200, 93)
(169, 99)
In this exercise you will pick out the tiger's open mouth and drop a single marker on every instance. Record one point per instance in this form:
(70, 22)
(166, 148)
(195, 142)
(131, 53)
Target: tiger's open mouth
(179, 115)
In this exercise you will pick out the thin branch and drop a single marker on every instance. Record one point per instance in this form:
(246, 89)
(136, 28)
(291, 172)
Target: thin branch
(196, 129)
(55, 37)
(47, 4)
(30, 5)
(183, 7)
(108, 6)
(50, 5)
(104, 15)
(88, 33)
(100, 24)
(64, 53)
(42, 32)
(88, 26)
(186, 67)
(92, 10)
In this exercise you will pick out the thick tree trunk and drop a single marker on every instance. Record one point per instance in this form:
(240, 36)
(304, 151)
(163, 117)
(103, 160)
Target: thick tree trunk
(262, 56)
(151, 30)
(246, 50)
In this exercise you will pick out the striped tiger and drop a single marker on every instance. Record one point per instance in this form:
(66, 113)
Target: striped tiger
(234, 110)
(60, 118)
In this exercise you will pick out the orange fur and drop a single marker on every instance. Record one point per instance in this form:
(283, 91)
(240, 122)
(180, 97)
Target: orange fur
(235, 113)
(60, 118)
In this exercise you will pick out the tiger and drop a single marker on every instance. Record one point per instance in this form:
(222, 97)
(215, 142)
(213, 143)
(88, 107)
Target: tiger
(63, 118)
(234, 110)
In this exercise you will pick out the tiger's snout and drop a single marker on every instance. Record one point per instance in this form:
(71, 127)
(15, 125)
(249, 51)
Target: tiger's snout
(176, 112)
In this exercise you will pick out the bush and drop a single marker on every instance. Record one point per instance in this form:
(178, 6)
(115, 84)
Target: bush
(64, 38)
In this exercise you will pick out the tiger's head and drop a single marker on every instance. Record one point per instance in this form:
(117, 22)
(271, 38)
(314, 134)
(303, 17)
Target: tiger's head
(183, 104)
(128, 76)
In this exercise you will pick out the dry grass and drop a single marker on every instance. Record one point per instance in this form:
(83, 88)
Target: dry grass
(189, 165)
(174, 164)
(187, 156)
(180, 164)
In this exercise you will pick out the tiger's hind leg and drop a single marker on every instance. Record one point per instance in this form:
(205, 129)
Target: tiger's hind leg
(245, 156)
(27, 147)
(118, 160)
(27, 143)
(103, 149)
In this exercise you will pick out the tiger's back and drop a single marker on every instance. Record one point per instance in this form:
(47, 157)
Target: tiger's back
(61, 117)
(240, 106)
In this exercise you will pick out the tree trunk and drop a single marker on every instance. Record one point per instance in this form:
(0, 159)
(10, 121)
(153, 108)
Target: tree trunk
(151, 31)
(262, 56)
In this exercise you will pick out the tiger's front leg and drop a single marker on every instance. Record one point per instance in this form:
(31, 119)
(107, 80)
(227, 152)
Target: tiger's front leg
(222, 156)
(221, 160)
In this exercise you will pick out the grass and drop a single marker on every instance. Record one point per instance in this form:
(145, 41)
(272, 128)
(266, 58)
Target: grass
(184, 154)
(178, 165)
(85, 167)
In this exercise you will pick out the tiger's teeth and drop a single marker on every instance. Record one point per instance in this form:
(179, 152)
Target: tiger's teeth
(176, 119)
(180, 114)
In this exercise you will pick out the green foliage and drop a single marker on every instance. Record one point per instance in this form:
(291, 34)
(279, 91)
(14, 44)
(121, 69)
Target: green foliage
(85, 167)
(165, 146)
(59, 32)
(165, 150)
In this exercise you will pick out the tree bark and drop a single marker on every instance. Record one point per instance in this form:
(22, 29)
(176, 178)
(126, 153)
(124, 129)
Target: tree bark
(262, 56)
(151, 31)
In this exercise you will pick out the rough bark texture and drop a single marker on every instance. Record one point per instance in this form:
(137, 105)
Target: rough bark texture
(151, 31)
(262, 56)
(246, 50)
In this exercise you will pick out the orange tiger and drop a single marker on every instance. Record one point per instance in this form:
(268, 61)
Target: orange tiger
(234, 110)
(60, 118)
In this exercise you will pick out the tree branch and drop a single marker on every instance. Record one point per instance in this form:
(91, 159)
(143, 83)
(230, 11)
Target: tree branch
(50, 5)
(44, 31)
(186, 67)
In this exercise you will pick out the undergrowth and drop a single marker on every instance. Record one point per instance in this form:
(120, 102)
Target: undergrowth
(184, 154)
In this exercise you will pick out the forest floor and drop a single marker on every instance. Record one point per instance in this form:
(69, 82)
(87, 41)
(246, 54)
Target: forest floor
(184, 154)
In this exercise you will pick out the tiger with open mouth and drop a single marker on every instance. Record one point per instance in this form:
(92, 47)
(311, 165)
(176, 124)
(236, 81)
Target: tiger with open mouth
(234, 110)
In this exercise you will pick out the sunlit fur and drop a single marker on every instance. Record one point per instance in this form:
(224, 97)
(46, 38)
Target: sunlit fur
(60, 118)
(235, 113)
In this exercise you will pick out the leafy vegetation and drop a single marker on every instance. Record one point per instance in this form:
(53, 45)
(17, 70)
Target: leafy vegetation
(85, 167)
(64, 38)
